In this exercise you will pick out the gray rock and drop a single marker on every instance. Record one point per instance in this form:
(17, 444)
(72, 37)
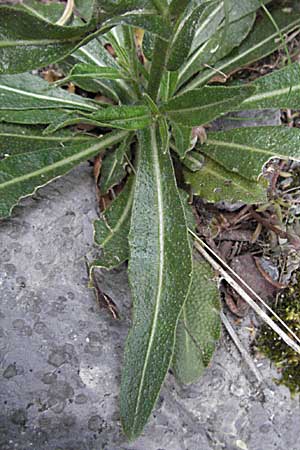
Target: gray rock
(70, 351)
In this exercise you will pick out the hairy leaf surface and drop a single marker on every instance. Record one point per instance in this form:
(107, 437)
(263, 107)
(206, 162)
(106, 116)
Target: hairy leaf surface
(262, 41)
(111, 232)
(26, 91)
(22, 174)
(28, 41)
(199, 326)
(246, 150)
(280, 89)
(15, 139)
(113, 168)
(216, 48)
(201, 106)
(216, 184)
(159, 273)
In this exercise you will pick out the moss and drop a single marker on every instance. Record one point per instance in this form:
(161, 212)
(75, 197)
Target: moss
(271, 345)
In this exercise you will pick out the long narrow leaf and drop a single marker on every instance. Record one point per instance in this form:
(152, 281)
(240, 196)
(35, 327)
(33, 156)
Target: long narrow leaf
(111, 232)
(21, 175)
(201, 106)
(28, 41)
(26, 91)
(246, 150)
(262, 41)
(216, 184)
(199, 327)
(280, 89)
(159, 273)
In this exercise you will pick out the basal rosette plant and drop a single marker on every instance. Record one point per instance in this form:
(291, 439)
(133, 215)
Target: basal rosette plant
(159, 90)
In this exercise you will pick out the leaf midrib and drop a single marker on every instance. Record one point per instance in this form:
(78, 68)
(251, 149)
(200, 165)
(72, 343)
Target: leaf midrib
(160, 267)
(85, 153)
(121, 220)
(274, 93)
(45, 97)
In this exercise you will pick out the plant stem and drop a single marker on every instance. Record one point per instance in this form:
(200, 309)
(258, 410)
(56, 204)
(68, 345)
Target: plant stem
(157, 67)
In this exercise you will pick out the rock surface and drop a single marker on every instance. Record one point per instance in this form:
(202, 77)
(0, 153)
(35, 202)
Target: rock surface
(61, 355)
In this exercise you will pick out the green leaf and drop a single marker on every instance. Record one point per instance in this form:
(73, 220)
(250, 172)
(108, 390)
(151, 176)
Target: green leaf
(15, 139)
(28, 41)
(32, 116)
(111, 232)
(113, 168)
(95, 53)
(279, 89)
(147, 19)
(216, 48)
(50, 12)
(159, 272)
(214, 183)
(199, 327)
(183, 37)
(262, 41)
(200, 106)
(213, 16)
(164, 133)
(88, 71)
(21, 175)
(183, 139)
(193, 161)
(123, 117)
(246, 150)
(26, 91)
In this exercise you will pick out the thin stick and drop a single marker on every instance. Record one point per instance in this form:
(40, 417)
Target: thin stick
(246, 286)
(67, 13)
(240, 347)
(247, 298)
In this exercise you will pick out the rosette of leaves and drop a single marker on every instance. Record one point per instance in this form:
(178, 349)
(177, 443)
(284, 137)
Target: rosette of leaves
(158, 90)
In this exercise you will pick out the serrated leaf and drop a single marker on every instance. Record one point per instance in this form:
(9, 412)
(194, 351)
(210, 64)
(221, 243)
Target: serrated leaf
(111, 232)
(279, 89)
(29, 41)
(15, 139)
(217, 47)
(113, 168)
(21, 175)
(214, 183)
(262, 41)
(26, 91)
(183, 141)
(200, 106)
(182, 39)
(159, 274)
(199, 327)
(246, 150)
